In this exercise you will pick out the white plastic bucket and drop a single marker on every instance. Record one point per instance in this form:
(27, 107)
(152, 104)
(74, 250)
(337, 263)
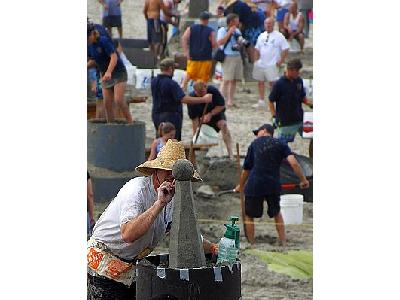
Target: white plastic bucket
(143, 78)
(292, 208)
(207, 135)
(131, 71)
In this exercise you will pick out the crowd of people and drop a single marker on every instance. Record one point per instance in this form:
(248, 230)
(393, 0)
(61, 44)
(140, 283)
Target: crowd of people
(141, 213)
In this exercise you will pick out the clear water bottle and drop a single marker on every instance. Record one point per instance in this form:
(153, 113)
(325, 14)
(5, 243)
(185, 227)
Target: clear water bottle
(228, 247)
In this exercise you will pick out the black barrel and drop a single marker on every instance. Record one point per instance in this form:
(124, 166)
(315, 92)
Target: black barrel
(155, 279)
(116, 147)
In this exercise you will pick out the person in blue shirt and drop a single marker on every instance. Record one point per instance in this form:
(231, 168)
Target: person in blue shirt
(102, 53)
(214, 115)
(168, 97)
(261, 180)
(112, 15)
(232, 67)
(285, 102)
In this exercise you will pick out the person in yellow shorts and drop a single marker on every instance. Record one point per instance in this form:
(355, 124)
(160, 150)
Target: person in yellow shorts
(197, 43)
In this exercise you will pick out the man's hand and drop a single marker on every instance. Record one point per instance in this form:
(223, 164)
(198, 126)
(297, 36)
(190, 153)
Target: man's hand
(207, 118)
(105, 6)
(107, 76)
(165, 192)
(231, 30)
(304, 184)
(207, 98)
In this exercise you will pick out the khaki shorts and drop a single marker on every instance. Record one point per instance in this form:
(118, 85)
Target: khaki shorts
(270, 73)
(232, 68)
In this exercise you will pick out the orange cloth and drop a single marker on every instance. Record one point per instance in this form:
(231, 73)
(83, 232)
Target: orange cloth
(199, 69)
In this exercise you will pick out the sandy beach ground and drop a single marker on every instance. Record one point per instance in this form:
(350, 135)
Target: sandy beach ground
(257, 281)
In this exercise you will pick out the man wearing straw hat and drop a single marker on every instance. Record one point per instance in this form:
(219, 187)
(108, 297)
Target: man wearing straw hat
(132, 225)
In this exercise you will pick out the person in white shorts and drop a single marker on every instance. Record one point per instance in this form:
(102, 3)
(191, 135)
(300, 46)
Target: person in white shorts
(271, 52)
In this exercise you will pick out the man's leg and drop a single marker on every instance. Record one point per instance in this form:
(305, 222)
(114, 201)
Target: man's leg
(261, 90)
(108, 98)
(119, 28)
(280, 228)
(119, 91)
(231, 91)
(226, 136)
(249, 229)
(300, 39)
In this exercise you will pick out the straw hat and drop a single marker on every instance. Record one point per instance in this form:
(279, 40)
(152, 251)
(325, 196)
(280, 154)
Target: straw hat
(165, 160)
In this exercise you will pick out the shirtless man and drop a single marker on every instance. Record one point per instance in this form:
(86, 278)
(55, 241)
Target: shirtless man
(151, 12)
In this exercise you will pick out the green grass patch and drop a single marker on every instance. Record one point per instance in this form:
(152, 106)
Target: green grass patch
(296, 264)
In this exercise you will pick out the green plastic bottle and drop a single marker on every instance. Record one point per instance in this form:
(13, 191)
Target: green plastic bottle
(229, 243)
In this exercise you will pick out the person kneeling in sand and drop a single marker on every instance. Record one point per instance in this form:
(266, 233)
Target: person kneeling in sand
(214, 115)
(261, 181)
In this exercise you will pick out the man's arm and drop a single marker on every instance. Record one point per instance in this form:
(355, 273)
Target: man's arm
(271, 106)
(111, 66)
(213, 40)
(185, 42)
(90, 201)
(300, 27)
(284, 54)
(227, 36)
(243, 179)
(297, 169)
(91, 63)
(137, 227)
(207, 98)
(286, 22)
(146, 8)
(213, 112)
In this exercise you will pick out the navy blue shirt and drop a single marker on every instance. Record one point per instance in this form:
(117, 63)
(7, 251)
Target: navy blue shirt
(167, 95)
(196, 110)
(200, 47)
(288, 96)
(101, 51)
(263, 160)
(258, 18)
(243, 11)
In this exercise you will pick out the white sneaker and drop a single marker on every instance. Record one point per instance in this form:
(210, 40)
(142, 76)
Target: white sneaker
(260, 104)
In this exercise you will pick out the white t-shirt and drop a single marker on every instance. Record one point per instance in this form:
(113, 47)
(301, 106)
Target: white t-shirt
(270, 46)
(284, 3)
(134, 198)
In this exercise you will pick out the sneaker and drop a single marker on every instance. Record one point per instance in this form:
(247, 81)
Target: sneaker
(260, 104)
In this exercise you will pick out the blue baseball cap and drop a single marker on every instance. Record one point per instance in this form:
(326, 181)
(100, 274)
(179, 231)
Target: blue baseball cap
(268, 127)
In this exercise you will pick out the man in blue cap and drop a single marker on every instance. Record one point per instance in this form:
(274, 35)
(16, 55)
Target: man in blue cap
(261, 181)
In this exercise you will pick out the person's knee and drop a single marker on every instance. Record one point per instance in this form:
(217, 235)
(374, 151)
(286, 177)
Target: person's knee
(223, 126)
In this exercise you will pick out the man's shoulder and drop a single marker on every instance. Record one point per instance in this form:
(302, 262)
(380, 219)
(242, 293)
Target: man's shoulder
(212, 90)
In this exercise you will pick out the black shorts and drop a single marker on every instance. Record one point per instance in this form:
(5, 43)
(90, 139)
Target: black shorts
(112, 21)
(194, 112)
(116, 77)
(154, 34)
(254, 205)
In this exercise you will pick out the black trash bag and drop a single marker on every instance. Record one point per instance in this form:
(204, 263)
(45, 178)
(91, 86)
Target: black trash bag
(288, 177)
